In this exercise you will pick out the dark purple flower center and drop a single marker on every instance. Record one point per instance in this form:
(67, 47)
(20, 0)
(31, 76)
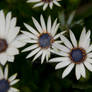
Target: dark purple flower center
(45, 40)
(78, 55)
(47, 1)
(3, 45)
(4, 85)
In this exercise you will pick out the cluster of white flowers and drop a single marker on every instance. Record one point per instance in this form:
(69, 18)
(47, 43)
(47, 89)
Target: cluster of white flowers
(43, 40)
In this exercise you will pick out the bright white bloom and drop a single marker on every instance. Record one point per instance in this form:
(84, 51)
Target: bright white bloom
(9, 41)
(78, 54)
(45, 3)
(7, 83)
(42, 39)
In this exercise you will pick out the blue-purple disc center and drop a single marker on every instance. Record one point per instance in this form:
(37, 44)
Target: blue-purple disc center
(47, 1)
(45, 40)
(4, 85)
(78, 55)
(3, 45)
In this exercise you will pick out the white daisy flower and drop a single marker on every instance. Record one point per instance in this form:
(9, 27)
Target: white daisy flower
(42, 39)
(45, 3)
(9, 41)
(75, 54)
(7, 83)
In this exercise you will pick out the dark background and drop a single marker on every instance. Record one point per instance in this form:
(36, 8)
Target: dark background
(36, 77)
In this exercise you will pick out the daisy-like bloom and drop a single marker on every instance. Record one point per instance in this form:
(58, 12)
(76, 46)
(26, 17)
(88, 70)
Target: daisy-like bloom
(78, 54)
(7, 83)
(45, 3)
(42, 39)
(9, 41)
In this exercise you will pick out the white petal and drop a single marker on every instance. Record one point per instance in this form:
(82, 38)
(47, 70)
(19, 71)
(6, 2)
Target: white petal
(37, 55)
(53, 26)
(43, 23)
(10, 58)
(89, 55)
(13, 90)
(12, 51)
(45, 6)
(77, 71)
(88, 66)
(89, 49)
(31, 29)
(62, 64)
(1, 73)
(73, 39)
(37, 25)
(68, 70)
(66, 41)
(59, 59)
(12, 77)
(33, 52)
(38, 4)
(56, 3)
(2, 23)
(43, 56)
(6, 72)
(33, 1)
(30, 47)
(49, 24)
(62, 48)
(51, 5)
(32, 36)
(14, 82)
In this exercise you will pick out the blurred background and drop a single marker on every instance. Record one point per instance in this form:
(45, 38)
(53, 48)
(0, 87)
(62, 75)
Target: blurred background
(36, 77)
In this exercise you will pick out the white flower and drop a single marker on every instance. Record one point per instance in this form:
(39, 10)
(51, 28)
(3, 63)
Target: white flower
(42, 39)
(7, 83)
(78, 54)
(45, 3)
(9, 41)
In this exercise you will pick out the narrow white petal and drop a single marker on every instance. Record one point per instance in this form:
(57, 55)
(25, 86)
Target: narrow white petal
(89, 55)
(68, 70)
(89, 60)
(30, 47)
(77, 71)
(62, 48)
(53, 26)
(43, 57)
(51, 5)
(89, 49)
(59, 59)
(66, 41)
(37, 55)
(32, 36)
(12, 77)
(6, 72)
(56, 3)
(43, 23)
(88, 66)
(45, 6)
(62, 64)
(14, 82)
(49, 24)
(33, 52)
(73, 39)
(33, 1)
(13, 90)
(31, 29)
(1, 73)
(2, 23)
(38, 4)
(37, 25)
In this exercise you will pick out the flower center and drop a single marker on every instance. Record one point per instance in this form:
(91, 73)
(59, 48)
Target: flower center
(46, 1)
(45, 40)
(3, 45)
(4, 85)
(77, 55)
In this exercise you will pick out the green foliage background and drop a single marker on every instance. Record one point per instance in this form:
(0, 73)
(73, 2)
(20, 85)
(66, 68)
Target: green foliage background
(36, 77)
